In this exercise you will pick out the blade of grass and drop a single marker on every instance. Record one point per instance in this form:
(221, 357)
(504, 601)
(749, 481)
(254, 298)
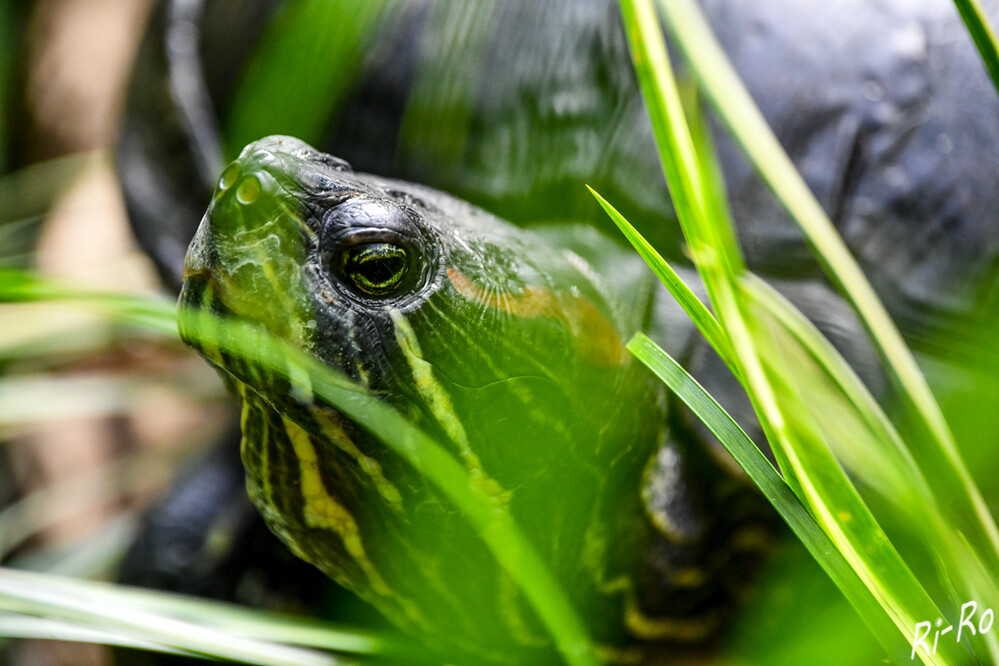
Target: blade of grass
(982, 34)
(803, 455)
(21, 626)
(675, 148)
(30, 596)
(865, 439)
(735, 107)
(834, 501)
(234, 620)
(890, 454)
(852, 421)
(677, 154)
(823, 486)
(772, 485)
(150, 312)
(688, 300)
(716, 209)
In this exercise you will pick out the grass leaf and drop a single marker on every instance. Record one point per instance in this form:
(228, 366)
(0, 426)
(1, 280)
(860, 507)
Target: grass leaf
(759, 469)
(688, 300)
(735, 107)
(42, 596)
(880, 458)
(982, 34)
(774, 385)
(223, 617)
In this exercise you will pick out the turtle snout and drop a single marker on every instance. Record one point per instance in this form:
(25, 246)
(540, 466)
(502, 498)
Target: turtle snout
(276, 144)
(240, 178)
(249, 195)
(294, 155)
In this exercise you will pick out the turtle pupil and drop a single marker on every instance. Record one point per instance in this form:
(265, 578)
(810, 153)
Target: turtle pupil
(375, 269)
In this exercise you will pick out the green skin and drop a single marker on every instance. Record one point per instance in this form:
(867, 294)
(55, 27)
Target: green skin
(503, 347)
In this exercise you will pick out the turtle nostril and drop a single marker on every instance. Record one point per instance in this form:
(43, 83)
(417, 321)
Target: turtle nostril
(248, 190)
(229, 176)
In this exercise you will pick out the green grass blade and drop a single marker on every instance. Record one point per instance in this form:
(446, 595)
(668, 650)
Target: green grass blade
(688, 300)
(882, 452)
(737, 110)
(672, 135)
(35, 595)
(716, 210)
(805, 458)
(227, 618)
(773, 487)
(833, 499)
(824, 488)
(982, 34)
(678, 155)
(13, 625)
(152, 313)
(863, 437)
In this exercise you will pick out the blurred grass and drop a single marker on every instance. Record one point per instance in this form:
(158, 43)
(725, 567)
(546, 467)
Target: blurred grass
(27, 195)
(143, 618)
(72, 607)
(283, 90)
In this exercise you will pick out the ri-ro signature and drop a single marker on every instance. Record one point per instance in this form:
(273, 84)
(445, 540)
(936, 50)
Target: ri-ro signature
(966, 627)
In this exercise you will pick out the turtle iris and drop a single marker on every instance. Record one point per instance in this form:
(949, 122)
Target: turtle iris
(373, 269)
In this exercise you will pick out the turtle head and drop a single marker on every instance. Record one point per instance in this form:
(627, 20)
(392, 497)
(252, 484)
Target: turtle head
(505, 349)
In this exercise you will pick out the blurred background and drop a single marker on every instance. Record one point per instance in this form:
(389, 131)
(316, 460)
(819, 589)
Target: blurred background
(94, 416)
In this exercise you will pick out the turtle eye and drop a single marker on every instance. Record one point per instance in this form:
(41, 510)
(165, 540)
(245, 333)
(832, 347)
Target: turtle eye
(373, 269)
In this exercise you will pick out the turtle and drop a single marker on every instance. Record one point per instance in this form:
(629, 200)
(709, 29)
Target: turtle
(895, 154)
(505, 345)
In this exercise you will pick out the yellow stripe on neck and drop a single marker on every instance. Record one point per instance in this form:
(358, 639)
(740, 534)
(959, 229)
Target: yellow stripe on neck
(320, 511)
